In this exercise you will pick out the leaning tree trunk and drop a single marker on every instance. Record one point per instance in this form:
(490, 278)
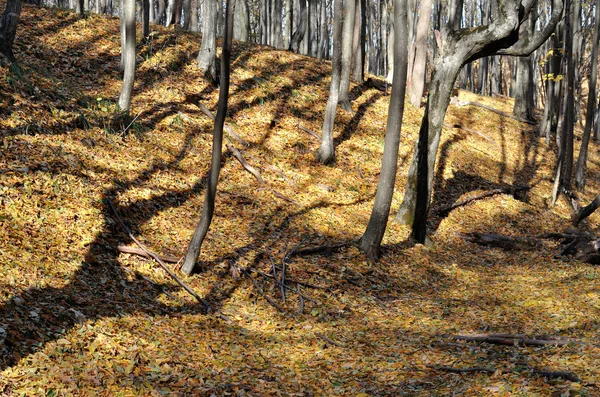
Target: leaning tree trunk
(347, 34)
(207, 57)
(128, 50)
(326, 152)
(8, 28)
(591, 107)
(501, 37)
(370, 242)
(208, 208)
(417, 78)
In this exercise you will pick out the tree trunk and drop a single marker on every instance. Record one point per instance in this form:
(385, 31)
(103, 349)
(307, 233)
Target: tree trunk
(145, 18)
(187, 13)
(194, 17)
(564, 163)
(370, 242)
(502, 37)
(193, 251)
(591, 107)
(289, 16)
(313, 17)
(548, 125)
(323, 32)
(80, 8)
(128, 50)
(301, 30)
(347, 33)
(170, 12)
(8, 28)
(417, 79)
(326, 152)
(524, 81)
(160, 13)
(207, 57)
(390, 53)
(241, 28)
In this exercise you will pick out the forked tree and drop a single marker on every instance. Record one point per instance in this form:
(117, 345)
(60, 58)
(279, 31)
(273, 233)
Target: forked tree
(208, 208)
(370, 242)
(456, 47)
(8, 28)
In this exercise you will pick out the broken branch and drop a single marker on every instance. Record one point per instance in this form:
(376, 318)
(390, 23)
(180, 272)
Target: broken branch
(136, 251)
(308, 131)
(490, 193)
(238, 155)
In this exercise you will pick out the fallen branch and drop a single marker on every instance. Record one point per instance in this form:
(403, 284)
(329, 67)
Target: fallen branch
(462, 370)
(227, 128)
(557, 375)
(586, 211)
(378, 85)
(500, 241)
(512, 340)
(262, 293)
(325, 249)
(275, 170)
(308, 131)
(236, 153)
(491, 109)
(187, 288)
(136, 251)
(329, 340)
(490, 193)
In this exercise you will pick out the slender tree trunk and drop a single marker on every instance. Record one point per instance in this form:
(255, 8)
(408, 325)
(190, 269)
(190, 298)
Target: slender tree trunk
(301, 30)
(591, 106)
(390, 53)
(313, 17)
(548, 125)
(347, 33)
(145, 18)
(326, 152)
(128, 50)
(289, 15)
(323, 32)
(187, 13)
(207, 57)
(194, 17)
(417, 79)
(8, 28)
(370, 242)
(208, 208)
(525, 81)
(241, 28)
(564, 164)
(160, 13)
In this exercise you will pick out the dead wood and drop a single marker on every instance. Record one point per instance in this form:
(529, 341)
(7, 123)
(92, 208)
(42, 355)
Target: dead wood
(301, 308)
(137, 251)
(462, 370)
(557, 375)
(582, 213)
(472, 131)
(273, 169)
(238, 155)
(500, 241)
(382, 86)
(227, 128)
(162, 264)
(309, 131)
(321, 249)
(506, 190)
(329, 340)
(262, 293)
(491, 109)
(511, 340)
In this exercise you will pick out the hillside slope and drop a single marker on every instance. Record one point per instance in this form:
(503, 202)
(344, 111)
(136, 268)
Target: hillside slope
(80, 318)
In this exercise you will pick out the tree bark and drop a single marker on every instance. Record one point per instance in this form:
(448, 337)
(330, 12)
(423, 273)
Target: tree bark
(301, 30)
(207, 57)
(525, 82)
(241, 28)
(564, 163)
(591, 107)
(347, 34)
(8, 28)
(128, 51)
(326, 152)
(501, 37)
(194, 17)
(160, 12)
(193, 251)
(370, 242)
(417, 78)
(145, 18)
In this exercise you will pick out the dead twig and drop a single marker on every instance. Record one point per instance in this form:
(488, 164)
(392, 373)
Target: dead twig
(567, 375)
(462, 370)
(301, 297)
(238, 155)
(309, 131)
(329, 340)
(325, 249)
(227, 128)
(262, 293)
(136, 251)
(186, 287)
(511, 340)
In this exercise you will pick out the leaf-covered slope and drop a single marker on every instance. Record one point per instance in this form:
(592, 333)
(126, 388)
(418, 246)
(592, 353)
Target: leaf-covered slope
(81, 318)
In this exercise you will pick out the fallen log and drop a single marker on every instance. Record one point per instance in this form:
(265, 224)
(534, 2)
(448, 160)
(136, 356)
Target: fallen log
(513, 340)
(472, 131)
(500, 241)
(238, 155)
(586, 211)
(506, 190)
(535, 372)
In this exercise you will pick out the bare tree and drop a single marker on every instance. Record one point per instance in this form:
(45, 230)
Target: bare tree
(370, 242)
(591, 107)
(128, 53)
(207, 57)
(326, 152)
(457, 47)
(208, 208)
(8, 28)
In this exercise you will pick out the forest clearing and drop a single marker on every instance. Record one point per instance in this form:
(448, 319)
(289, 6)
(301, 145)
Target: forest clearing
(295, 309)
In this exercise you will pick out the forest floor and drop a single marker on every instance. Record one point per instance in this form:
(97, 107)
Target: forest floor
(77, 317)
